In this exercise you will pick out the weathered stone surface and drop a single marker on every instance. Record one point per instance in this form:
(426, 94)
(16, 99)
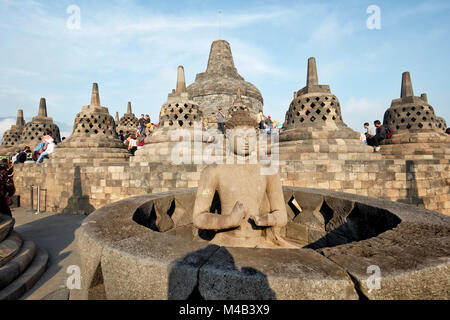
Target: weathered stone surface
(414, 261)
(9, 247)
(11, 270)
(120, 254)
(168, 264)
(285, 274)
(6, 225)
(28, 278)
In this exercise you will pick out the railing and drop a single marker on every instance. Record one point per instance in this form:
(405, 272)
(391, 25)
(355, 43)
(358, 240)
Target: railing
(39, 189)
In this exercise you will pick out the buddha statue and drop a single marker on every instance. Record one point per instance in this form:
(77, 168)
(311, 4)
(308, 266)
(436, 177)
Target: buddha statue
(253, 211)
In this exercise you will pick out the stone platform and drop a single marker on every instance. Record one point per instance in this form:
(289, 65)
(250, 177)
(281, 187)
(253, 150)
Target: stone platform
(151, 237)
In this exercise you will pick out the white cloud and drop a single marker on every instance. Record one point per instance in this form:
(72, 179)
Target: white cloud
(363, 105)
(6, 124)
(331, 30)
(356, 111)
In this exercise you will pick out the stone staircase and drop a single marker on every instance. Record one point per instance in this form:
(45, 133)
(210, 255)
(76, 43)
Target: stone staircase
(22, 263)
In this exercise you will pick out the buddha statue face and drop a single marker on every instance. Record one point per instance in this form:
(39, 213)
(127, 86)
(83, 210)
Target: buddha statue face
(242, 140)
(241, 132)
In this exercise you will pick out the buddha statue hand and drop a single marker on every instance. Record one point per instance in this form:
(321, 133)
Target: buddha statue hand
(238, 213)
(255, 219)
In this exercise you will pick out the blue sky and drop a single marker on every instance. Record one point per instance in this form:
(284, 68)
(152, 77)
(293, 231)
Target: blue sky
(132, 49)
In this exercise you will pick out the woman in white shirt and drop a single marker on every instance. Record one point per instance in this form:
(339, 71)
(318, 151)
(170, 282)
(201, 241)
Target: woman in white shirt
(49, 148)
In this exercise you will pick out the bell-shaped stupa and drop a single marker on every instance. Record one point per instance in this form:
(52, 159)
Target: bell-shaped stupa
(314, 129)
(94, 135)
(11, 138)
(128, 123)
(38, 127)
(217, 87)
(178, 113)
(417, 134)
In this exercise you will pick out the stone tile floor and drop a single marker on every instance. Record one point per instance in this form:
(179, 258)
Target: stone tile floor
(55, 233)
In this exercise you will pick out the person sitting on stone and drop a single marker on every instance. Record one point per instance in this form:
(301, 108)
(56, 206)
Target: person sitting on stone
(253, 210)
(120, 136)
(49, 147)
(39, 149)
(132, 144)
(378, 137)
(221, 121)
(370, 132)
(269, 124)
(21, 156)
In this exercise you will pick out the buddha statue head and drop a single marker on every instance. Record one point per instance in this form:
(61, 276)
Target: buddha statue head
(241, 132)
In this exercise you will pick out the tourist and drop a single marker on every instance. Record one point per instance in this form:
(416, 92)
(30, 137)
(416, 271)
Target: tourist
(221, 121)
(378, 137)
(7, 190)
(370, 132)
(14, 157)
(132, 144)
(269, 124)
(147, 120)
(9, 168)
(39, 149)
(21, 156)
(149, 128)
(142, 124)
(260, 120)
(140, 141)
(205, 124)
(49, 148)
(120, 136)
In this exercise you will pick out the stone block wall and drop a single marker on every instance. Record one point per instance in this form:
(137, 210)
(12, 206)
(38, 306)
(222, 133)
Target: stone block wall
(82, 187)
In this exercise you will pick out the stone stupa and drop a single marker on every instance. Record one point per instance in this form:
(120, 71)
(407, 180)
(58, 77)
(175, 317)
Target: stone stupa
(314, 129)
(441, 123)
(94, 136)
(11, 138)
(128, 122)
(116, 119)
(416, 128)
(179, 112)
(217, 86)
(38, 127)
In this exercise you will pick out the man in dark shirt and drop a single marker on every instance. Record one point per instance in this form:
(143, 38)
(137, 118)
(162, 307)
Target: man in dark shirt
(141, 124)
(21, 157)
(379, 136)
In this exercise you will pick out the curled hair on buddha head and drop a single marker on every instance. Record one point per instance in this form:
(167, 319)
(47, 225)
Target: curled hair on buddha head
(240, 117)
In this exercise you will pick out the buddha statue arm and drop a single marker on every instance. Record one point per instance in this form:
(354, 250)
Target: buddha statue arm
(202, 218)
(277, 217)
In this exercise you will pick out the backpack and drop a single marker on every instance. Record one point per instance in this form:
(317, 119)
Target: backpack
(389, 132)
